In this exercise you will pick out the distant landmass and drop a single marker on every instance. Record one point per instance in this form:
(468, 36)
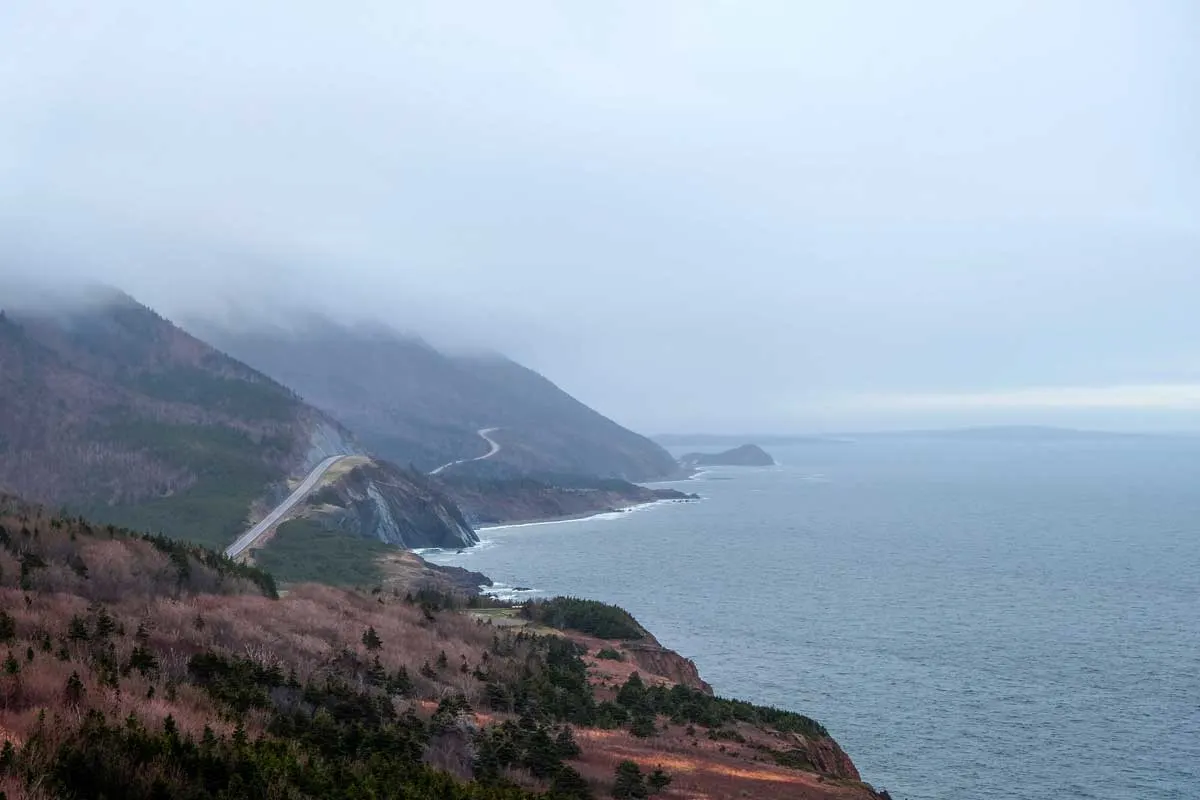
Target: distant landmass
(982, 432)
(1011, 433)
(747, 455)
(719, 439)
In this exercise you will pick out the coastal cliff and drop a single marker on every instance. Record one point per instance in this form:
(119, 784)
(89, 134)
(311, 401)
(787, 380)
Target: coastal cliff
(724, 748)
(501, 497)
(393, 505)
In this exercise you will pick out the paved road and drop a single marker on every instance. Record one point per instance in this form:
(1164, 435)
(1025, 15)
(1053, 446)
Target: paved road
(271, 520)
(313, 478)
(486, 434)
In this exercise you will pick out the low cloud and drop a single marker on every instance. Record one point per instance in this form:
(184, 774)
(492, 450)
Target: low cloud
(692, 216)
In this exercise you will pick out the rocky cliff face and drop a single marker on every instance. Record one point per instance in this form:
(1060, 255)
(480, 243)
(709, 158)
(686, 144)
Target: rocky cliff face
(327, 438)
(655, 659)
(827, 757)
(394, 505)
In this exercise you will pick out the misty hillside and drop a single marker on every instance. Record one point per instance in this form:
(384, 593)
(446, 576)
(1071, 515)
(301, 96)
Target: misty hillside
(413, 404)
(111, 410)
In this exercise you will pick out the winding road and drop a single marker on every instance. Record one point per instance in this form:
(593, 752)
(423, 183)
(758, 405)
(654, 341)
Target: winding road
(486, 434)
(247, 539)
(271, 520)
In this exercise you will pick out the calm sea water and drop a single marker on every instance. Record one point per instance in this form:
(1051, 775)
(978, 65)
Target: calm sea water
(969, 619)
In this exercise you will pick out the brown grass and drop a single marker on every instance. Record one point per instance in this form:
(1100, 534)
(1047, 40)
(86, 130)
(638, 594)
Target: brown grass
(313, 630)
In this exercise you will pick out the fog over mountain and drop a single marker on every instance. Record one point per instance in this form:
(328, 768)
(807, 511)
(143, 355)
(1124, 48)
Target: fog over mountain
(692, 216)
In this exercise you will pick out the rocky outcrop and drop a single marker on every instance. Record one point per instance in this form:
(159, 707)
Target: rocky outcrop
(394, 505)
(748, 455)
(655, 659)
(326, 438)
(826, 757)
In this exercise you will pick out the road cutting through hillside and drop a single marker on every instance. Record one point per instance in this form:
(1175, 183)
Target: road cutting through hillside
(486, 434)
(272, 519)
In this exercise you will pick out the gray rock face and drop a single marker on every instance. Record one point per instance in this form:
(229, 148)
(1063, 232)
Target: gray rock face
(326, 439)
(382, 501)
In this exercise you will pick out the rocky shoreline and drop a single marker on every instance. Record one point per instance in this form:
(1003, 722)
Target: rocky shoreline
(492, 501)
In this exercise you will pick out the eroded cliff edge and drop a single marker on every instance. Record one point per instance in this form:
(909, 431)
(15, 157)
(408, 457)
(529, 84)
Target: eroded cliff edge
(391, 504)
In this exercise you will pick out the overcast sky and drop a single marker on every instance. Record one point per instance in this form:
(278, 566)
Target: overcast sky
(723, 216)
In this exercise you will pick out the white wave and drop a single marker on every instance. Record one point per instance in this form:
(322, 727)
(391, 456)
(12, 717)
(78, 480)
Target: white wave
(602, 516)
(502, 591)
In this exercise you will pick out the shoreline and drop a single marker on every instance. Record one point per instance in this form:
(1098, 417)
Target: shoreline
(614, 512)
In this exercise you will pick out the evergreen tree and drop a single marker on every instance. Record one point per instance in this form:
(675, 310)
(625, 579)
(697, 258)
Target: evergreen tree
(8, 627)
(643, 725)
(657, 781)
(239, 736)
(105, 625)
(143, 660)
(570, 785)
(77, 630)
(74, 692)
(208, 740)
(632, 694)
(371, 640)
(566, 745)
(630, 782)
(376, 674)
(401, 682)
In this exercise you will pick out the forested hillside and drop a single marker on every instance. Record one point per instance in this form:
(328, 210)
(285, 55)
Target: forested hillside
(108, 408)
(413, 404)
(137, 667)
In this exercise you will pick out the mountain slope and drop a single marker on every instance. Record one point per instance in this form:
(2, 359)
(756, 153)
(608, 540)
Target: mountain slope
(414, 404)
(109, 409)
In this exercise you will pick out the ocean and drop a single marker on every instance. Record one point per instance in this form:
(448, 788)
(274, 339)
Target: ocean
(970, 619)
